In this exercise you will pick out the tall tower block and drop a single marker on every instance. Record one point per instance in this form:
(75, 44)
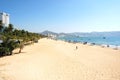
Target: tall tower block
(4, 18)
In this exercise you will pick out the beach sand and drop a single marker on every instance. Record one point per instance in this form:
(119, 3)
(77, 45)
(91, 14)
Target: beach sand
(59, 60)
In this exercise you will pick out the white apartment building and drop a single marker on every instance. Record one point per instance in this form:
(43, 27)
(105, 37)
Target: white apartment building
(4, 17)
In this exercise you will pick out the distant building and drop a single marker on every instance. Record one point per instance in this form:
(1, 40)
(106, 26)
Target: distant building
(52, 36)
(4, 18)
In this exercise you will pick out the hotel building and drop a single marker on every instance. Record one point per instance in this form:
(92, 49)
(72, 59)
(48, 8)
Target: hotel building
(4, 18)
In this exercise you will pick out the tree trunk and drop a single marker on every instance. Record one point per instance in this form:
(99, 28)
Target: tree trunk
(20, 51)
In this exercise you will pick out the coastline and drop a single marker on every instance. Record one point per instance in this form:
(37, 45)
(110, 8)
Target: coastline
(115, 47)
(58, 60)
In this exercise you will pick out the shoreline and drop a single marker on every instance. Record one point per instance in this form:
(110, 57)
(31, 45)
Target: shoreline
(93, 44)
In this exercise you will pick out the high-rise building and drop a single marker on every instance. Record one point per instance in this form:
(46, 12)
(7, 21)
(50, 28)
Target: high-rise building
(4, 18)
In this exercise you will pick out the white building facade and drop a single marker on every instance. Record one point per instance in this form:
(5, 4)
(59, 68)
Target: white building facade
(4, 17)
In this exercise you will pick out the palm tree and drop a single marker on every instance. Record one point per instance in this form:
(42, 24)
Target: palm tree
(5, 30)
(1, 26)
(9, 45)
(0, 22)
(4, 49)
(10, 28)
(12, 45)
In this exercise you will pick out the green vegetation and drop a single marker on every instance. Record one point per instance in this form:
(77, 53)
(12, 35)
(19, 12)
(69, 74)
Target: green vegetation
(14, 38)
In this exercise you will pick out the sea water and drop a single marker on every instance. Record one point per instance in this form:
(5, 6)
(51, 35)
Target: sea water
(111, 41)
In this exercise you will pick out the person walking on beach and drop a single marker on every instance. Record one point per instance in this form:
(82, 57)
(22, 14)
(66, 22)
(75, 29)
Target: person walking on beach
(76, 47)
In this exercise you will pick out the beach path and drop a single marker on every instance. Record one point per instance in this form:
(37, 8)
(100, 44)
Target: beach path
(58, 60)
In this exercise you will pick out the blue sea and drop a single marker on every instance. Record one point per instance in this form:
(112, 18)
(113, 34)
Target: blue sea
(113, 41)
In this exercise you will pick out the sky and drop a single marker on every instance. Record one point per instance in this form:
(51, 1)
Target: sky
(63, 15)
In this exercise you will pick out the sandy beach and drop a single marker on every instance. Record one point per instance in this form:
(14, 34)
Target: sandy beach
(59, 60)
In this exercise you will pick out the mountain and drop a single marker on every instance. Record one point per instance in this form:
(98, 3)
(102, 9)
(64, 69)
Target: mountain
(98, 34)
(46, 33)
(79, 34)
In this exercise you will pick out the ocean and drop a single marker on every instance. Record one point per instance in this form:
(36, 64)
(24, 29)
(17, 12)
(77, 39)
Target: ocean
(111, 41)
